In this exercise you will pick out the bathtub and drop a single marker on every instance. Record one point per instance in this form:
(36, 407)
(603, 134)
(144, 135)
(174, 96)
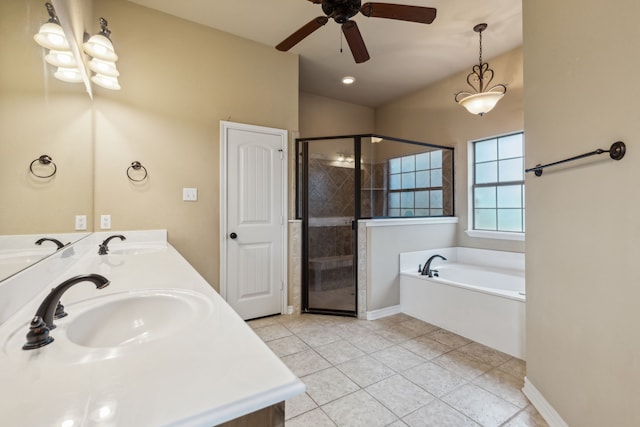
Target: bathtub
(479, 294)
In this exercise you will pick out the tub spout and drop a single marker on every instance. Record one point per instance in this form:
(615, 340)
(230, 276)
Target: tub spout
(427, 270)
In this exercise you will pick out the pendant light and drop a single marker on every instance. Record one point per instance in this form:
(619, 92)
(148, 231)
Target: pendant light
(51, 35)
(482, 99)
(103, 64)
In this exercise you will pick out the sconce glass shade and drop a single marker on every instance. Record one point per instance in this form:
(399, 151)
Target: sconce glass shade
(70, 75)
(51, 36)
(100, 47)
(481, 103)
(106, 68)
(106, 82)
(61, 58)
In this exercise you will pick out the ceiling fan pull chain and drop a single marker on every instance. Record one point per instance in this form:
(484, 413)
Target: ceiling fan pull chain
(340, 35)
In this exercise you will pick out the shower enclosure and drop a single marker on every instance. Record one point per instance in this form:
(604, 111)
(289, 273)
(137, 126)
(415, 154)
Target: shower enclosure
(343, 179)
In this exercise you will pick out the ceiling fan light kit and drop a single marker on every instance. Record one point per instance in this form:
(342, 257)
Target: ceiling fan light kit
(341, 11)
(482, 99)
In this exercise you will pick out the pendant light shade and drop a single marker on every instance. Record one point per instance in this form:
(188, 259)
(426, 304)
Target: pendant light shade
(106, 68)
(51, 35)
(106, 81)
(100, 46)
(482, 99)
(60, 58)
(70, 75)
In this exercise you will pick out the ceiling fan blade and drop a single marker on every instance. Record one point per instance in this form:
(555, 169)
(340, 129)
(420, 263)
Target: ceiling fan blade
(423, 15)
(303, 32)
(355, 41)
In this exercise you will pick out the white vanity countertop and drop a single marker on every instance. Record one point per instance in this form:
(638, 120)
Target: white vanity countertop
(214, 370)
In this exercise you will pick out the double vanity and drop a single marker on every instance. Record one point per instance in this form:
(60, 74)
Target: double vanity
(157, 346)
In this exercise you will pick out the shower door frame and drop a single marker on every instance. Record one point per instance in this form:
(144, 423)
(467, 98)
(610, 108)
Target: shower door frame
(302, 211)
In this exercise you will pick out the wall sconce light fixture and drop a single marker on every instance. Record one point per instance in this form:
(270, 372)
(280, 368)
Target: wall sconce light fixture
(103, 64)
(481, 100)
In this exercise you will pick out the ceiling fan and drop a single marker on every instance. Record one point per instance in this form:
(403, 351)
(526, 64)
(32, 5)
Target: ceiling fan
(343, 10)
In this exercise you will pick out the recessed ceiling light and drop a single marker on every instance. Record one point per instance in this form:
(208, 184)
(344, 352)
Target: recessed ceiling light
(348, 80)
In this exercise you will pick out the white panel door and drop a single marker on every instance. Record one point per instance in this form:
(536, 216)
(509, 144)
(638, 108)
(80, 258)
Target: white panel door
(255, 211)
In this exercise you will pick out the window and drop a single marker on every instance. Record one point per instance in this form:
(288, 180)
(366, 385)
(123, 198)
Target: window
(498, 184)
(415, 185)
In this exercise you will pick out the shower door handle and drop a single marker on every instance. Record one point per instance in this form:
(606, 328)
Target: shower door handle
(233, 236)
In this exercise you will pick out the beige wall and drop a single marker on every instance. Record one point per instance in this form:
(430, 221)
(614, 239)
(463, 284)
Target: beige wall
(179, 79)
(431, 115)
(583, 227)
(321, 116)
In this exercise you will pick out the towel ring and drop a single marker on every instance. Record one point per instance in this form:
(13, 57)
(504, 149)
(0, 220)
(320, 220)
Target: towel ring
(136, 166)
(43, 160)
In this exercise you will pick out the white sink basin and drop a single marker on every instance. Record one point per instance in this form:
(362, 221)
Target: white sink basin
(135, 248)
(134, 318)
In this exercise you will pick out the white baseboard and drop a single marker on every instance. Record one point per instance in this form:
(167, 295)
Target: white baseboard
(545, 409)
(383, 312)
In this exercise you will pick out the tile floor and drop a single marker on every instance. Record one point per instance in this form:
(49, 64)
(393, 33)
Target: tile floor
(396, 371)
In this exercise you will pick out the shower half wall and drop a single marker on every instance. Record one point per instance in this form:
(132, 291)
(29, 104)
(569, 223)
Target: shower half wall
(343, 179)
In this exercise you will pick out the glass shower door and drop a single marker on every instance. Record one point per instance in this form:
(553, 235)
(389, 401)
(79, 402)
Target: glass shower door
(329, 207)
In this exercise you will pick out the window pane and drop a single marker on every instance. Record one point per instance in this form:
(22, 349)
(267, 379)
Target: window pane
(394, 200)
(394, 166)
(407, 212)
(394, 182)
(436, 177)
(484, 197)
(510, 146)
(510, 220)
(422, 199)
(435, 212)
(511, 170)
(436, 159)
(408, 164)
(435, 199)
(486, 150)
(409, 180)
(485, 219)
(509, 197)
(422, 161)
(406, 199)
(422, 212)
(422, 179)
(487, 172)
(394, 212)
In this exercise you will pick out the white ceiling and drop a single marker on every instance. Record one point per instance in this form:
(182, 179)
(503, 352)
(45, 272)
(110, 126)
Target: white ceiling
(405, 56)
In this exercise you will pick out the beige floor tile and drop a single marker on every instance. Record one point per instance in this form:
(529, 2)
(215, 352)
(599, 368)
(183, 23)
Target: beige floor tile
(419, 326)
(448, 338)
(481, 406)
(359, 409)
(425, 347)
(315, 418)
(370, 342)
(272, 332)
(398, 358)
(438, 414)
(352, 329)
(328, 385)
(398, 423)
(400, 395)
(339, 352)
(265, 321)
(433, 378)
(515, 367)
(397, 333)
(319, 336)
(503, 385)
(365, 370)
(287, 345)
(305, 362)
(528, 417)
(298, 405)
(485, 354)
(462, 365)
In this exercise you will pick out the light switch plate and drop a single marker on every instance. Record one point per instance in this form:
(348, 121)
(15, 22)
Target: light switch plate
(189, 194)
(81, 222)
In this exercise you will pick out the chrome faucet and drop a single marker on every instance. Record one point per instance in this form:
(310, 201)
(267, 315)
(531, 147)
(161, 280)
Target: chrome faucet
(50, 307)
(427, 270)
(103, 249)
(48, 239)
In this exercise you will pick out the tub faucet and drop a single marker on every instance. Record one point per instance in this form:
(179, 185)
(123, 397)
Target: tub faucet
(427, 271)
(58, 243)
(42, 322)
(103, 249)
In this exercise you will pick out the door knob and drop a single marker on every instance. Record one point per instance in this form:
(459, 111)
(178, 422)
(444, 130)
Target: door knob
(233, 236)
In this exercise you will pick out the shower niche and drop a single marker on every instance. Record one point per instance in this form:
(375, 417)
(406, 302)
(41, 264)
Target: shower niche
(343, 179)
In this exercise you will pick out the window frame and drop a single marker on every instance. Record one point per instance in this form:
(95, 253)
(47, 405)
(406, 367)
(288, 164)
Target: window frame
(472, 231)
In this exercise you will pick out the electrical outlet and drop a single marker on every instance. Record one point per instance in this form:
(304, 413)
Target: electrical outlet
(81, 222)
(105, 222)
(189, 194)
